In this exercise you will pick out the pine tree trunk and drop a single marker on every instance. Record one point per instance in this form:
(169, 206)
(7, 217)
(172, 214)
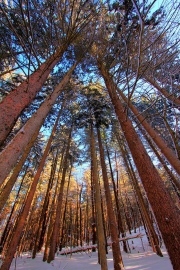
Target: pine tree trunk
(55, 234)
(48, 237)
(16, 218)
(172, 178)
(103, 219)
(118, 262)
(94, 234)
(167, 152)
(129, 211)
(119, 218)
(76, 227)
(23, 243)
(15, 148)
(44, 212)
(51, 218)
(152, 233)
(166, 214)
(80, 217)
(65, 211)
(22, 219)
(18, 99)
(100, 230)
(87, 221)
(45, 221)
(5, 232)
(12, 180)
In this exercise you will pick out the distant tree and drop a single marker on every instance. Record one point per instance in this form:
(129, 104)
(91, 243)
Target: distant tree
(54, 243)
(96, 115)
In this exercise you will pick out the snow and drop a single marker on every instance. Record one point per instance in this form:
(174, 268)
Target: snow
(140, 258)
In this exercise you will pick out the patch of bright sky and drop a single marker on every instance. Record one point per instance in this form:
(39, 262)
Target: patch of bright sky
(82, 164)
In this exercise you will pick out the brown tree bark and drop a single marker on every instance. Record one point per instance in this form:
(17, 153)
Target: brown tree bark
(6, 190)
(18, 99)
(80, 219)
(22, 219)
(152, 234)
(51, 213)
(8, 223)
(118, 262)
(24, 243)
(167, 217)
(104, 219)
(15, 148)
(172, 178)
(119, 218)
(55, 234)
(100, 230)
(51, 218)
(44, 212)
(76, 225)
(64, 214)
(93, 222)
(86, 226)
(167, 152)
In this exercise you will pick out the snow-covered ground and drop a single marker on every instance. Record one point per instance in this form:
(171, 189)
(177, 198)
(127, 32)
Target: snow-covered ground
(137, 260)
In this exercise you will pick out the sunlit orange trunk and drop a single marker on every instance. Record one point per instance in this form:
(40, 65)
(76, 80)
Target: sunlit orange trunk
(172, 178)
(55, 234)
(15, 148)
(163, 207)
(167, 152)
(151, 231)
(118, 262)
(12, 180)
(97, 196)
(119, 217)
(21, 97)
(22, 218)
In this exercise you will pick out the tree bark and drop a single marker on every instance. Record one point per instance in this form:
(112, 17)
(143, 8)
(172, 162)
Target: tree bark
(118, 262)
(64, 214)
(55, 234)
(94, 234)
(44, 212)
(22, 219)
(119, 218)
(12, 180)
(15, 148)
(8, 223)
(167, 152)
(100, 230)
(51, 217)
(167, 217)
(173, 180)
(21, 97)
(149, 223)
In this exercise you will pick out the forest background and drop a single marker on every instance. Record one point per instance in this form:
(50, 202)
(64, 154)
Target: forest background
(91, 85)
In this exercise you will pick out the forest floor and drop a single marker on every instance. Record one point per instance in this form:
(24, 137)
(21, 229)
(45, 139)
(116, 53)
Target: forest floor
(140, 258)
